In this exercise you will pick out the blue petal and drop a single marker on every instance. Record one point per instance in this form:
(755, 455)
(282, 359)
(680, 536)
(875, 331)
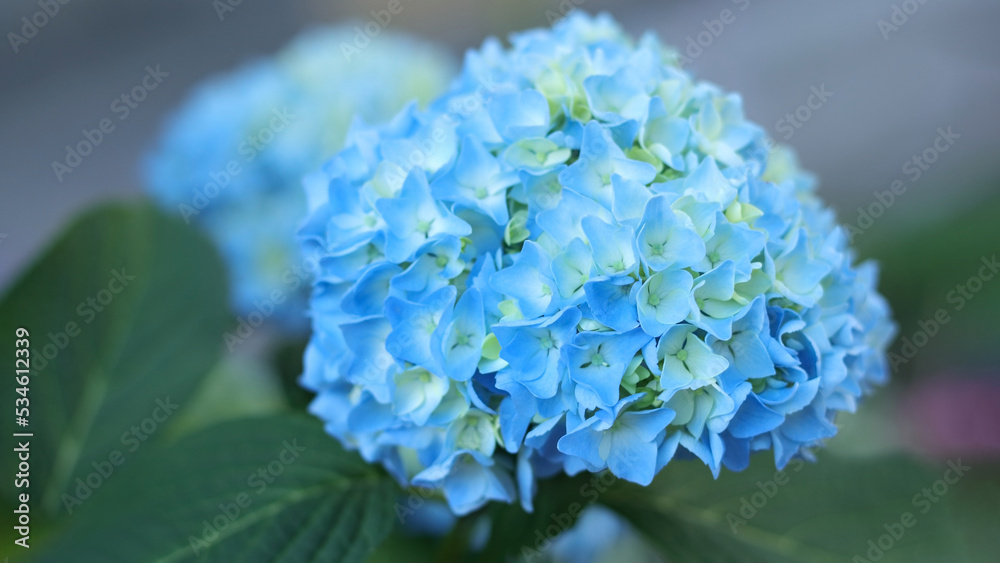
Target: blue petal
(414, 324)
(754, 418)
(462, 338)
(613, 247)
(599, 158)
(437, 262)
(413, 217)
(706, 183)
(515, 413)
(630, 198)
(528, 280)
(564, 221)
(520, 115)
(633, 452)
(612, 301)
(598, 360)
(477, 181)
(470, 485)
(664, 300)
(572, 270)
(533, 350)
(368, 360)
(617, 97)
(367, 296)
(664, 241)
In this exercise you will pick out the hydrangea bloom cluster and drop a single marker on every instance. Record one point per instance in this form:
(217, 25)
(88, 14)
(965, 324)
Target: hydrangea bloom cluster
(232, 158)
(579, 259)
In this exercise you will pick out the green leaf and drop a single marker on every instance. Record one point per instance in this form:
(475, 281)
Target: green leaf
(266, 489)
(827, 511)
(512, 532)
(125, 309)
(288, 363)
(405, 547)
(237, 387)
(925, 269)
(974, 503)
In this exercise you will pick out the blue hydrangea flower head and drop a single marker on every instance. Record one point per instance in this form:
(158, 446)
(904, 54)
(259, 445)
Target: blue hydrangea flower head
(232, 158)
(580, 258)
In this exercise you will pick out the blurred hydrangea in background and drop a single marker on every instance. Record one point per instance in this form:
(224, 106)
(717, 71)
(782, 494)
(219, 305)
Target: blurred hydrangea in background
(579, 259)
(233, 156)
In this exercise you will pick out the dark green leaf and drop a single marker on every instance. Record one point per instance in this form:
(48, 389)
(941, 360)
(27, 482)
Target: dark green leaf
(973, 502)
(924, 270)
(827, 511)
(237, 387)
(288, 362)
(125, 309)
(265, 489)
(513, 532)
(409, 548)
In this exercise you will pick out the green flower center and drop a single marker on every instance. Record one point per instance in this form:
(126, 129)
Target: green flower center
(468, 439)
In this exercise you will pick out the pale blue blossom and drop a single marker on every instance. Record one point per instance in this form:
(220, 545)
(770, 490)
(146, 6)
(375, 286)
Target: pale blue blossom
(233, 157)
